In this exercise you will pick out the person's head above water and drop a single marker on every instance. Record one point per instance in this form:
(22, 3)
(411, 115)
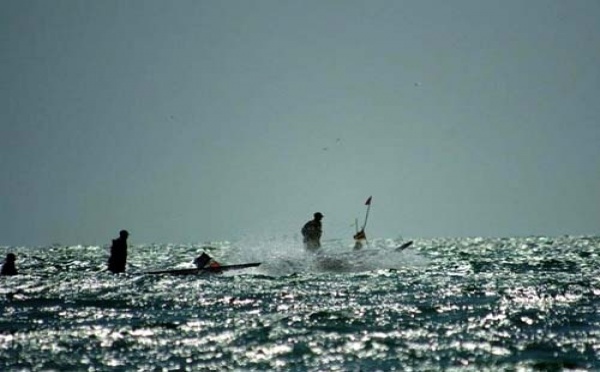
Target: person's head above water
(123, 234)
(318, 216)
(11, 257)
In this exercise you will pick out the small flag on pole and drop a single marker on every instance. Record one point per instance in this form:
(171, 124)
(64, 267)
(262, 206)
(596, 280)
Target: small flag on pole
(368, 202)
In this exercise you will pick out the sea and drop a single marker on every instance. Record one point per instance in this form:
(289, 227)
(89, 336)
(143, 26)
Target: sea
(444, 304)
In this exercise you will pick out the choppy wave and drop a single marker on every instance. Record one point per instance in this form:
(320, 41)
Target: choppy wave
(453, 304)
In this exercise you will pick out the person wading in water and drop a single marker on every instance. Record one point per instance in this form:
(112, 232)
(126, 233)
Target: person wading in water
(311, 233)
(118, 253)
(9, 267)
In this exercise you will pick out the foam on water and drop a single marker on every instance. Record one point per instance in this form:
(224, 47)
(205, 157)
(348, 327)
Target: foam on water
(286, 256)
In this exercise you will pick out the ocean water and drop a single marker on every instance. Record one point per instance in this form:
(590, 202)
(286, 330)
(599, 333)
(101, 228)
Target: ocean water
(470, 304)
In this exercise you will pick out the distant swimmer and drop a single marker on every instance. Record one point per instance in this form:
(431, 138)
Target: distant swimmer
(118, 253)
(9, 268)
(312, 231)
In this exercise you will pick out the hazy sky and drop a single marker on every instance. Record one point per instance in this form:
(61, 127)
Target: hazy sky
(191, 121)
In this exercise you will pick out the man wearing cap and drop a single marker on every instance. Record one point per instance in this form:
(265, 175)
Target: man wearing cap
(312, 231)
(118, 253)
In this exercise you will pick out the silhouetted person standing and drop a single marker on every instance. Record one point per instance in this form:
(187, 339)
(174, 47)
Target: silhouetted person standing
(9, 267)
(312, 231)
(118, 253)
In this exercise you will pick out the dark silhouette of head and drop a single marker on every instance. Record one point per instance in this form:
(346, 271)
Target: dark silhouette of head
(8, 268)
(123, 234)
(202, 260)
(318, 216)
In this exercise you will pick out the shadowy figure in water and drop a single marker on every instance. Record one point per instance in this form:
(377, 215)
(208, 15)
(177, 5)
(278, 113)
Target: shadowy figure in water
(118, 253)
(312, 231)
(204, 260)
(360, 239)
(9, 267)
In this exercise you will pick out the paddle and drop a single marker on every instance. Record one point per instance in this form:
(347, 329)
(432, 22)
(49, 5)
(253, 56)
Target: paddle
(404, 246)
(368, 204)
